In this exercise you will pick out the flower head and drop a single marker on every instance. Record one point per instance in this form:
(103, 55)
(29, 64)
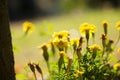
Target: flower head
(60, 43)
(61, 34)
(118, 25)
(85, 27)
(62, 53)
(74, 41)
(118, 49)
(116, 66)
(95, 47)
(87, 30)
(28, 26)
(93, 28)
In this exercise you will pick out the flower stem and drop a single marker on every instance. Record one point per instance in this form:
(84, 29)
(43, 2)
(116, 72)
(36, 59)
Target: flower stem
(35, 76)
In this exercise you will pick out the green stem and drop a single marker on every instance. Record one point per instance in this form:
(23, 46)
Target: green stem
(87, 43)
(102, 54)
(35, 76)
(64, 65)
(79, 63)
(48, 66)
(26, 32)
(87, 37)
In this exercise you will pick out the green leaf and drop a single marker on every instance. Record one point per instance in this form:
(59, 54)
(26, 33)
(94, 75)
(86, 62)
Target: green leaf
(112, 58)
(60, 62)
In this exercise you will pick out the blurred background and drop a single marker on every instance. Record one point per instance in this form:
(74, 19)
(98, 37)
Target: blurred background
(19, 9)
(50, 16)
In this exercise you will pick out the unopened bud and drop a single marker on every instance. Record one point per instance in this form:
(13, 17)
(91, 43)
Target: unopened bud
(79, 52)
(38, 68)
(32, 68)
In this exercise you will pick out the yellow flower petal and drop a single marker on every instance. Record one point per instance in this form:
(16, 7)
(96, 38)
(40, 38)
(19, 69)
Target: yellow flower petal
(62, 53)
(95, 47)
(61, 34)
(87, 27)
(118, 25)
(60, 43)
(74, 41)
(28, 26)
(116, 66)
(44, 46)
(118, 49)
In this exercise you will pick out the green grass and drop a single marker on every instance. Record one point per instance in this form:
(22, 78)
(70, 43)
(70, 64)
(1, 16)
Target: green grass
(27, 46)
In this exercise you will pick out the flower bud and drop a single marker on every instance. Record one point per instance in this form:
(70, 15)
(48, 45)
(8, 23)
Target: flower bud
(32, 68)
(105, 25)
(39, 70)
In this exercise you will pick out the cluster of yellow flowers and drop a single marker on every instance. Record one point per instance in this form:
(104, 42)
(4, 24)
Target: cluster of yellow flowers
(61, 42)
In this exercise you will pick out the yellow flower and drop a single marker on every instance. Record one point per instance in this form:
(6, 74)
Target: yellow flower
(61, 34)
(116, 66)
(60, 43)
(95, 47)
(118, 49)
(85, 27)
(79, 73)
(118, 25)
(93, 28)
(51, 43)
(74, 41)
(62, 53)
(28, 27)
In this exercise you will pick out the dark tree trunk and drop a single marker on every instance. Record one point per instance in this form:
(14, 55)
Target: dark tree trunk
(6, 54)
